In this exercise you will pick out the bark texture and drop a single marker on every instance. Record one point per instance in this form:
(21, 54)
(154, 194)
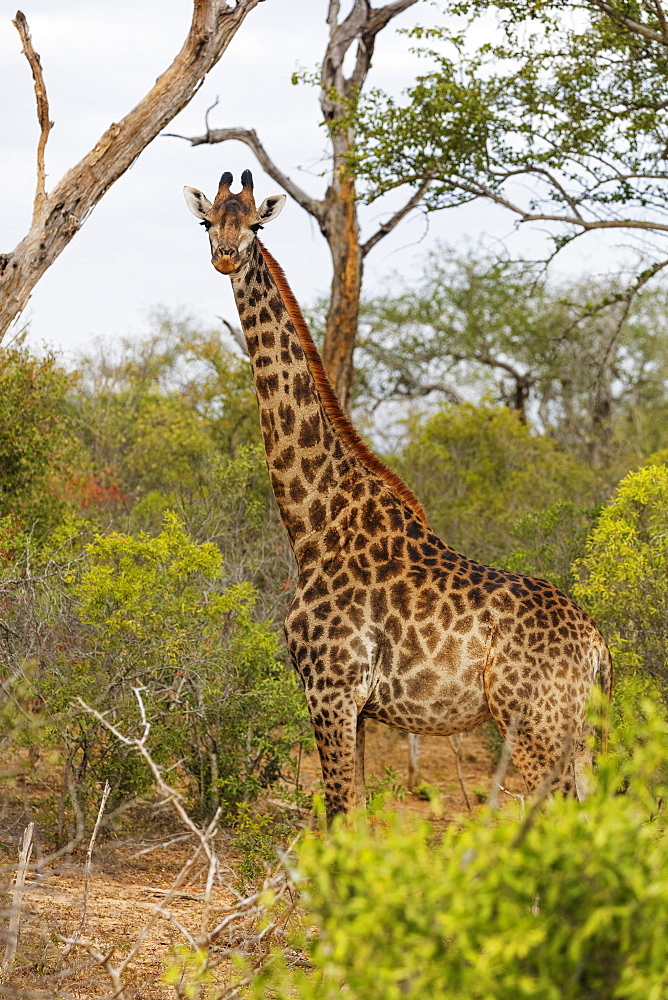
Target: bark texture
(59, 214)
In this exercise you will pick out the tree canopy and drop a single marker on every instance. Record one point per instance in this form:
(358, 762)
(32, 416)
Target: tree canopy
(558, 115)
(578, 359)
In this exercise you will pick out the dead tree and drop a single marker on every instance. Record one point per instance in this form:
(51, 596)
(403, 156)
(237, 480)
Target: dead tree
(336, 213)
(59, 214)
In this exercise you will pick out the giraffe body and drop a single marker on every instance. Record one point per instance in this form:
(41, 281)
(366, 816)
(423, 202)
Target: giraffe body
(388, 622)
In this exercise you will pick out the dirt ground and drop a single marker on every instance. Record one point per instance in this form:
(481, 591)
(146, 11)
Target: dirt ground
(130, 878)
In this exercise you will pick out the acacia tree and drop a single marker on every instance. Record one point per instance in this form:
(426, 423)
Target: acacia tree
(560, 119)
(578, 358)
(337, 211)
(59, 214)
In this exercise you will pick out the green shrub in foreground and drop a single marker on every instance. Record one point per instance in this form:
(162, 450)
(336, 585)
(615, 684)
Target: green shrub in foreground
(571, 902)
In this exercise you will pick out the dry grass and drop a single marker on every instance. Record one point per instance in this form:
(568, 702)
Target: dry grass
(107, 923)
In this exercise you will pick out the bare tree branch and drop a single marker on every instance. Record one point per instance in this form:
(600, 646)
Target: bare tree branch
(477, 189)
(89, 865)
(45, 125)
(395, 219)
(66, 208)
(628, 22)
(250, 138)
(383, 15)
(660, 13)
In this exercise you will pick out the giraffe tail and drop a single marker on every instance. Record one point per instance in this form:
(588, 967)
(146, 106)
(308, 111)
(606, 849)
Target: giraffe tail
(604, 676)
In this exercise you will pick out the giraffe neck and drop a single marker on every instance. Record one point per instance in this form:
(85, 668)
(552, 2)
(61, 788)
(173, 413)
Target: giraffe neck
(315, 456)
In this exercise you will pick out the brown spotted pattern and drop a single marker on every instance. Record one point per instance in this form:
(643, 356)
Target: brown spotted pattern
(388, 622)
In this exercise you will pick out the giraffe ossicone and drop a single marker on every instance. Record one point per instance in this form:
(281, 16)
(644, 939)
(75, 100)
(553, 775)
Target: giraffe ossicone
(389, 622)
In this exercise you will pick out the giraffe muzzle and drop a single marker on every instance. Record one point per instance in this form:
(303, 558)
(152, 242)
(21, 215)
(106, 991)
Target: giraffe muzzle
(227, 261)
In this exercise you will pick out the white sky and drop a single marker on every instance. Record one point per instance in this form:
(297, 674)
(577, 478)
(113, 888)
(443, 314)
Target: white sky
(141, 247)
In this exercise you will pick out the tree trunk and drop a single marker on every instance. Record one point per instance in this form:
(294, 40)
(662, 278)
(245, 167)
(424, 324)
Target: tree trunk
(343, 313)
(336, 212)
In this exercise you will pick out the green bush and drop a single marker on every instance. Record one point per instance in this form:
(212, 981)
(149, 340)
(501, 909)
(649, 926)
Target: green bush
(624, 574)
(489, 483)
(569, 902)
(151, 613)
(36, 439)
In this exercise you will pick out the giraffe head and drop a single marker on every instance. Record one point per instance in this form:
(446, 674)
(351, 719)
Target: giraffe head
(233, 220)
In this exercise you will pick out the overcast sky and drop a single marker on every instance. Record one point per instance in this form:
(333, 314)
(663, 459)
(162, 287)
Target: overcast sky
(141, 248)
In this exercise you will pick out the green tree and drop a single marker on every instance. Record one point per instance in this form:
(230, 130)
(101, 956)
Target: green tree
(170, 422)
(557, 116)
(150, 613)
(482, 475)
(576, 359)
(623, 576)
(37, 441)
(157, 411)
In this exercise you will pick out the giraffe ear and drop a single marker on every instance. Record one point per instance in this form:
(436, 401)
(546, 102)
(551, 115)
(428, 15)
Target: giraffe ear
(197, 202)
(271, 208)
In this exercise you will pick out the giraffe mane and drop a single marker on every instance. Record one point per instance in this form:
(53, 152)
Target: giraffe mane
(329, 400)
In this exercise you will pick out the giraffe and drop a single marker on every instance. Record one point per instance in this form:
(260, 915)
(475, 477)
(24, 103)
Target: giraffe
(388, 622)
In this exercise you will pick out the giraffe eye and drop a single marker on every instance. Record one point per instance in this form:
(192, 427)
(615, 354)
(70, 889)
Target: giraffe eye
(206, 224)
(254, 228)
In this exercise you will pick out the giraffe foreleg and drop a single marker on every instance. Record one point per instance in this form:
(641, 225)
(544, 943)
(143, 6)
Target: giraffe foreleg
(335, 729)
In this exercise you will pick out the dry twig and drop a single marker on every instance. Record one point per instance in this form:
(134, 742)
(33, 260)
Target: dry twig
(17, 897)
(89, 860)
(502, 766)
(456, 747)
(45, 125)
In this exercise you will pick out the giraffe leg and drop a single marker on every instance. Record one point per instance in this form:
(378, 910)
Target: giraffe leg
(413, 759)
(541, 759)
(548, 748)
(335, 733)
(583, 759)
(360, 788)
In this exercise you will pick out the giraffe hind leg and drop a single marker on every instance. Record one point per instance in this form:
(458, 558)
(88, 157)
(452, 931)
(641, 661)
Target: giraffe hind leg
(546, 763)
(543, 753)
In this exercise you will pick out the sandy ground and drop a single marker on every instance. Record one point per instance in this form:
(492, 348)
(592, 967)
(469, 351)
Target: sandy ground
(129, 878)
